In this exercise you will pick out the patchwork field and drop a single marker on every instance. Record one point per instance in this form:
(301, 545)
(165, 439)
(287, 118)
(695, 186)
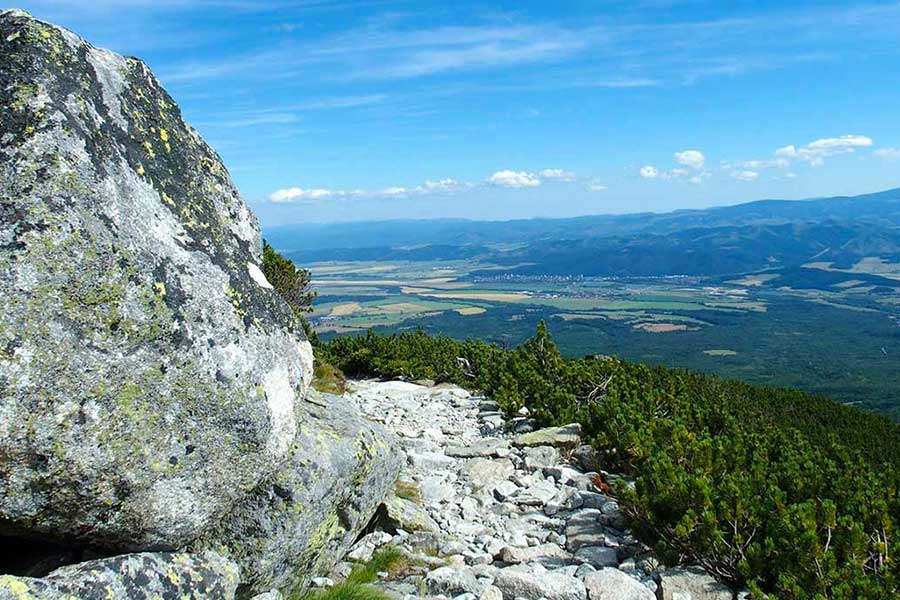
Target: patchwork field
(840, 340)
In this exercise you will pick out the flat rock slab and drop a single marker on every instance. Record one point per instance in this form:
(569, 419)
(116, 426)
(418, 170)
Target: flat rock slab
(483, 448)
(691, 583)
(514, 583)
(145, 576)
(539, 457)
(564, 436)
(598, 556)
(484, 473)
(514, 555)
(613, 584)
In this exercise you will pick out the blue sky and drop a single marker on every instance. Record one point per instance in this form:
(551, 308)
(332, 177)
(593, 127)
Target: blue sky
(329, 110)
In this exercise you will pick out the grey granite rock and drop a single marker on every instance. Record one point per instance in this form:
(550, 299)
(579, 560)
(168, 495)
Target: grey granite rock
(301, 521)
(691, 583)
(146, 576)
(151, 375)
(613, 584)
(515, 583)
(513, 555)
(452, 582)
(563, 436)
(485, 472)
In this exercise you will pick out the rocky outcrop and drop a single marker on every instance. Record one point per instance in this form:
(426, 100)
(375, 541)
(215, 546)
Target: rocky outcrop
(305, 518)
(132, 577)
(151, 375)
(153, 384)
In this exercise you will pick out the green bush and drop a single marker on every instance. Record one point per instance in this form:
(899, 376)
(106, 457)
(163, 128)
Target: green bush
(791, 495)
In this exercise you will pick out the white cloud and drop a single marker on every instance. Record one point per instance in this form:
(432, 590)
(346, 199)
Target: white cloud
(443, 185)
(392, 191)
(839, 144)
(787, 151)
(560, 174)
(294, 194)
(691, 158)
(649, 172)
(745, 175)
(514, 179)
(774, 163)
(816, 151)
(440, 186)
(888, 153)
(596, 187)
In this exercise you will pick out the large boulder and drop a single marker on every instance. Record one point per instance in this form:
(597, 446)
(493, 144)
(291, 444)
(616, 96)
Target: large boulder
(150, 377)
(301, 521)
(144, 576)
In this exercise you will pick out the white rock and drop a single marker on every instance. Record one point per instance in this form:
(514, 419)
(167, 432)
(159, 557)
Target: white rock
(612, 584)
(514, 584)
(691, 584)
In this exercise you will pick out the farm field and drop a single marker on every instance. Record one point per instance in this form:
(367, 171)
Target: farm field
(842, 341)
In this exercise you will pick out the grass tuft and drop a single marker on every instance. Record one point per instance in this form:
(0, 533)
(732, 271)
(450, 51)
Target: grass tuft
(328, 379)
(345, 591)
(389, 559)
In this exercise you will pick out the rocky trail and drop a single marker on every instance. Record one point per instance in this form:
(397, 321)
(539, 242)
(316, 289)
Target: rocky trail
(489, 509)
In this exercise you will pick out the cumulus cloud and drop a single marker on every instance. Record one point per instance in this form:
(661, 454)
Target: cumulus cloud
(745, 175)
(560, 174)
(514, 179)
(691, 158)
(444, 185)
(440, 186)
(649, 172)
(816, 151)
(888, 153)
(294, 194)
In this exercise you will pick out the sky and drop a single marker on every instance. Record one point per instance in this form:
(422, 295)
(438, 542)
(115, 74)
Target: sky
(337, 110)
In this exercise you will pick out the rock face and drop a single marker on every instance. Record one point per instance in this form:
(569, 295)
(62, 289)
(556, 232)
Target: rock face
(132, 577)
(305, 518)
(150, 376)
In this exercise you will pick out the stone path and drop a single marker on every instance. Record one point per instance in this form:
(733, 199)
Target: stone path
(495, 510)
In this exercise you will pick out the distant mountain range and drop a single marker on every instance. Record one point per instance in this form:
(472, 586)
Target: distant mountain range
(762, 235)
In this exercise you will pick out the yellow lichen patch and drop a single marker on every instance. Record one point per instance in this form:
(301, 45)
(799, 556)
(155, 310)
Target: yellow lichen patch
(168, 199)
(140, 170)
(160, 288)
(149, 148)
(14, 585)
(164, 136)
